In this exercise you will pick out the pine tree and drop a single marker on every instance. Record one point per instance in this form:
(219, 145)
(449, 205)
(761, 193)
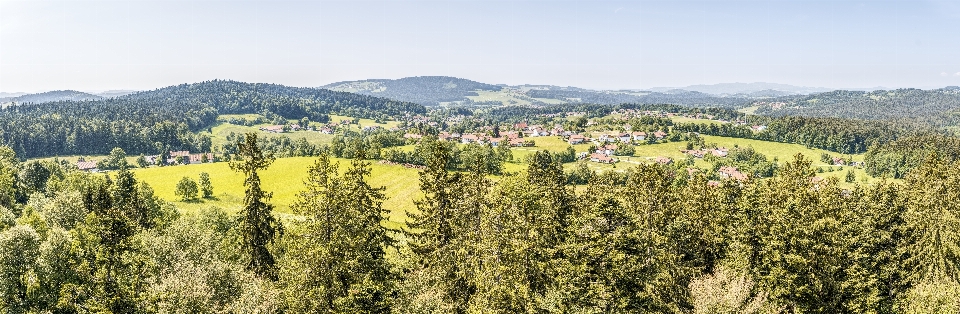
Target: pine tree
(259, 228)
(433, 238)
(339, 264)
(205, 186)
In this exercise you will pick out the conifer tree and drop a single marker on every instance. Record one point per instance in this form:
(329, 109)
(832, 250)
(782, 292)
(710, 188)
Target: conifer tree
(338, 262)
(205, 186)
(433, 237)
(259, 228)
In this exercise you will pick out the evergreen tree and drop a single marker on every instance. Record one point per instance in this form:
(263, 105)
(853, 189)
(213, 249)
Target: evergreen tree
(337, 263)
(432, 239)
(259, 228)
(205, 186)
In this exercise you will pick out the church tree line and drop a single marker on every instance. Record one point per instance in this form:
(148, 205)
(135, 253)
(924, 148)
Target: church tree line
(656, 240)
(168, 118)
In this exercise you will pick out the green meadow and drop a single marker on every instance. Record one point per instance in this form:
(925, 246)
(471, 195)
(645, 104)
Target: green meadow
(284, 178)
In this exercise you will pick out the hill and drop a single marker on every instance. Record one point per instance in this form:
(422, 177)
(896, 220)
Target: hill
(59, 95)
(938, 107)
(424, 90)
(170, 116)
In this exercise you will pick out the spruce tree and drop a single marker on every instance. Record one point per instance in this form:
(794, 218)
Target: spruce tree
(259, 228)
(205, 186)
(338, 262)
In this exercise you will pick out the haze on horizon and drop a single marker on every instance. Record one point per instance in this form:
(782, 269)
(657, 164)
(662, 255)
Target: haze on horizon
(105, 45)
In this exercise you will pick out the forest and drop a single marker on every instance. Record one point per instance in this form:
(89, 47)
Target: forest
(168, 118)
(652, 239)
(936, 107)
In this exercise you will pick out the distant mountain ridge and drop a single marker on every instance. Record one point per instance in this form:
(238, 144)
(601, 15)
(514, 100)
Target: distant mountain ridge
(440, 90)
(51, 96)
(425, 90)
(729, 89)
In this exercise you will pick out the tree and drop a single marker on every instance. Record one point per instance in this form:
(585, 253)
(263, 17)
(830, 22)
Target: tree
(116, 159)
(186, 189)
(205, 186)
(337, 264)
(142, 161)
(850, 177)
(259, 228)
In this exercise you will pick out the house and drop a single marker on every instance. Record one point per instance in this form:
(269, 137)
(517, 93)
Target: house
(520, 126)
(469, 138)
(608, 149)
(639, 136)
(758, 128)
(659, 135)
(663, 160)
(412, 136)
(326, 130)
(199, 158)
(272, 128)
(601, 158)
(576, 139)
(510, 134)
(371, 128)
(720, 152)
(694, 152)
(728, 172)
(519, 142)
(88, 166)
(152, 159)
(624, 137)
(180, 153)
(496, 141)
(837, 161)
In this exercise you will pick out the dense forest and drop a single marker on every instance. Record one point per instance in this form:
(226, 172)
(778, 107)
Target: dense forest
(424, 90)
(937, 107)
(652, 239)
(895, 159)
(167, 118)
(844, 136)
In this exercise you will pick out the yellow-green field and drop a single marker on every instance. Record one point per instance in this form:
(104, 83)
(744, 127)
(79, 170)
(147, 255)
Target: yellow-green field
(679, 119)
(284, 178)
(220, 131)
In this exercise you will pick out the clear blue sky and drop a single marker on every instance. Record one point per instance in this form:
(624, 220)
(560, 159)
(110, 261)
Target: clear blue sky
(100, 45)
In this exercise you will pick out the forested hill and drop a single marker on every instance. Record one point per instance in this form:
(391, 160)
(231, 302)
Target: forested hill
(676, 97)
(166, 118)
(60, 95)
(937, 107)
(424, 90)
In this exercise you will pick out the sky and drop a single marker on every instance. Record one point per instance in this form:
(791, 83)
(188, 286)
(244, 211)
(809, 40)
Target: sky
(147, 44)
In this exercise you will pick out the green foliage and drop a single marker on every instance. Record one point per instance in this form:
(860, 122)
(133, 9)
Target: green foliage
(205, 186)
(897, 158)
(116, 160)
(258, 227)
(187, 189)
(337, 260)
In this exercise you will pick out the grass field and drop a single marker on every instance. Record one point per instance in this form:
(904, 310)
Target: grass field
(284, 178)
(363, 122)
